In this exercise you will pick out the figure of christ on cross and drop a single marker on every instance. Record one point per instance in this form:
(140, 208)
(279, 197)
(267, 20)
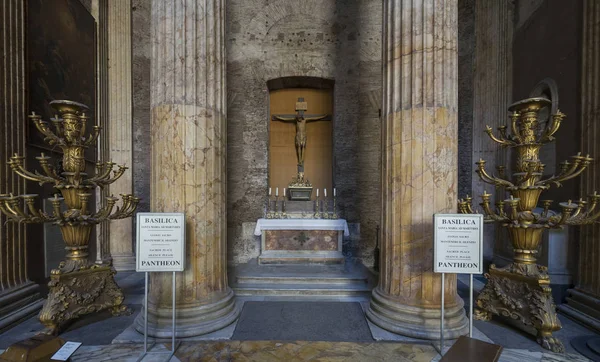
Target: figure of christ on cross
(301, 119)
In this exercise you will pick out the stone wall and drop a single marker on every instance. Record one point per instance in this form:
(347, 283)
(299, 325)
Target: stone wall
(326, 39)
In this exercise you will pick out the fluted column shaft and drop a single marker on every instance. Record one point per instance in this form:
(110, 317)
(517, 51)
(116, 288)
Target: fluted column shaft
(100, 13)
(120, 140)
(188, 102)
(492, 84)
(19, 297)
(583, 302)
(419, 165)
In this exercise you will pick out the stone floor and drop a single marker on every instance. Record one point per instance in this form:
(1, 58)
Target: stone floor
(257, 337)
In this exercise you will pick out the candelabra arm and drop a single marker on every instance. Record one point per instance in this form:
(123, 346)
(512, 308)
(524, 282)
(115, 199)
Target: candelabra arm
(567, 176)
(6, 210)
(108, 166)
(485, 177)
(93, 137)
(116, 175)
(592, 204)
(502, 141)
(56, 207)
(16, 164)
(514, 118)
(551, 130)
(103, 213)
(126, 210)
(48, 169)
(12, 204)
(30, 202)
(491, 214)
(565, 216)
(576, 168)
(42, 126)
(587, 218)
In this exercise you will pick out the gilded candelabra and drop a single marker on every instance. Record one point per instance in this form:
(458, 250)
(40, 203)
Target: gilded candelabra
(521, 290)
(78, 286)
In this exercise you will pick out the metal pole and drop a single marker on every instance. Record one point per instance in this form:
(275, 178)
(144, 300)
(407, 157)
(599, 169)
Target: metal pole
(471, 306)
(442, 320)
(146, 315)
(173, 336)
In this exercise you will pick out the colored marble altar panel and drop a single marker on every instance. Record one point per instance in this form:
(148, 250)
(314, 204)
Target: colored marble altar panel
(318, 160)
(301, 239)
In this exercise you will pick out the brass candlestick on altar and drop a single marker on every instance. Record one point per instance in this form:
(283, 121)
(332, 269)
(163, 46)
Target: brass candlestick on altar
(283, 213)
(77, 286)
(317, 214)
(277, 213)
(521, 290)
(326, 208)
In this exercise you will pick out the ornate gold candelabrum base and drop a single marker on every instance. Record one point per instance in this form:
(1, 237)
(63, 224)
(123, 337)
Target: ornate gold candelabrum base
(521, 290)
(525, 299)
(75, 294)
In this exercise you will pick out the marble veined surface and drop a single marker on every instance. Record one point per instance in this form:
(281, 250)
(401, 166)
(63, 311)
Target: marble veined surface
(266, 351)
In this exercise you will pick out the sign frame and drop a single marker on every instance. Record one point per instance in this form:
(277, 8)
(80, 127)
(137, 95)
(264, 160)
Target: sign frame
(478, 218)
(182, 244)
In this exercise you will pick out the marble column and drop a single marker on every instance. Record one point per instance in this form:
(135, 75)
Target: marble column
(19, 297)
(188, 102)
(120, 116)
(492, 93)
(419, 166)
(583, 302)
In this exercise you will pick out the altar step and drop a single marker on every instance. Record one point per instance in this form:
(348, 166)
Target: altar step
(309, 282)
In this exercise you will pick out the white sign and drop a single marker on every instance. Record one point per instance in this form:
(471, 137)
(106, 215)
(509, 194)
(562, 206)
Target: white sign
(160, 242)
(458, 243)
(65, 351)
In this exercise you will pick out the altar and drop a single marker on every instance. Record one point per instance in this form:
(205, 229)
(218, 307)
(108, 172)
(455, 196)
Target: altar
(301, 241)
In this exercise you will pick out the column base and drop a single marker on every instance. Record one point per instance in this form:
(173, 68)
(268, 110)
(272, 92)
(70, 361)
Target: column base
(190, 321)
(523, 293)
(123, 262)
(19, 303)
(417, 322)
(75, 294)
(582, 307)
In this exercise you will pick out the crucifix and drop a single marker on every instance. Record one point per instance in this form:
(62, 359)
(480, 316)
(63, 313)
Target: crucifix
(301, 119)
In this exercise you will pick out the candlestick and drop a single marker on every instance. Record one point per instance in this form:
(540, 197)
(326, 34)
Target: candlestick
(325, 192)
(269, 191)
(334, 214)
(277, 192)
(317, 192)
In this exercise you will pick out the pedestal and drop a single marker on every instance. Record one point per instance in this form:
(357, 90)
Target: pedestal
(75, 294)
(525, 297)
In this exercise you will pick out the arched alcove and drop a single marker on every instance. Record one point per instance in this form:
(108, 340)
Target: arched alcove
(317, 95)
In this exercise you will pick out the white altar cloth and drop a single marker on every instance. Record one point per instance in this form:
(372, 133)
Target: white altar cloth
(300, 224)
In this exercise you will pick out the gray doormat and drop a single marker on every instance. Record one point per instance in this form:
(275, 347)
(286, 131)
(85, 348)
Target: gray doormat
(302, 321)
